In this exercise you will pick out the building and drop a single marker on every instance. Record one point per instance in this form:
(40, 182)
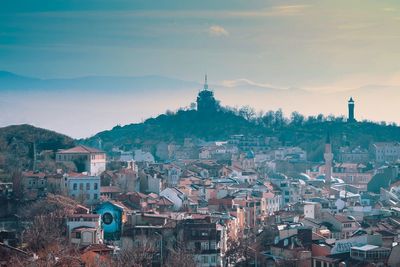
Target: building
(204, 237)
(82, 187)
(113, 216)
(370, 253)
(34, 185)
(86, 159)
(328, 156)
(385, 151)
(84, 229)
(355, 155)
(351, 110)
(206, 102)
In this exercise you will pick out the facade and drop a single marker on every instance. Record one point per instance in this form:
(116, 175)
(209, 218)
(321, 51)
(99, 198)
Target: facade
(34, 185)
(84, 229)
(204, 238)
(83, 187)
(86, 159)
(355, 155)
(385, 151)
(112, 217)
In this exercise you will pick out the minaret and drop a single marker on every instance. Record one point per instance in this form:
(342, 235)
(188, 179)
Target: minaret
(205, 82)
(351, 110)
(328, 156)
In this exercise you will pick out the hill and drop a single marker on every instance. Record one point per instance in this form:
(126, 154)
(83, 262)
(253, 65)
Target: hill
(16, 145)
(309, 133)
(174, 127)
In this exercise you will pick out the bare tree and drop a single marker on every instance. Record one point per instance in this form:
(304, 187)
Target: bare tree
(180, 257)
(44, 231)
(140, 255)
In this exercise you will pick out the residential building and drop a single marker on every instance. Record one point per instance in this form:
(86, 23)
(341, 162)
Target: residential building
(86, 159)
(82, 187)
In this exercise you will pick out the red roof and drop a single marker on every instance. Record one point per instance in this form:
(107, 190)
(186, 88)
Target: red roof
(34, 174)
(110, 189)
(84, 216)
(80, 150)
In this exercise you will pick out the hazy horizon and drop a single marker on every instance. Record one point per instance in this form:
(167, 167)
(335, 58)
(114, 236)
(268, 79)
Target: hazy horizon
(320, 52)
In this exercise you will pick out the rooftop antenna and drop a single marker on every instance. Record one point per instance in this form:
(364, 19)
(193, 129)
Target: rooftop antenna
(205, 82)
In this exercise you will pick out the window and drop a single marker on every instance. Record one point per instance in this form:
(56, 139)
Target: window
(212, 245)
(75, 186)
(78, 235)
(204, 246)
(95, 186)
(95, 196)
(87, 186)
(213, 259)
(81, 186)
(204, 259)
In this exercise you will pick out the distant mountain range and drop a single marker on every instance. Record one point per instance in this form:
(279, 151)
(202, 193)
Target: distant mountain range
(11, 81)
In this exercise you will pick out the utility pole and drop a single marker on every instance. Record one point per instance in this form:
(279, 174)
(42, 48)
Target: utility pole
(161, 248)
(255, 256)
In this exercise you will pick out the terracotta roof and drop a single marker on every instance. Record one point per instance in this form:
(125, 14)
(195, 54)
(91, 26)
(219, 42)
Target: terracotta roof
(34, 174)
(81, 149)
(343, 219)
(110, 189)
(81, 229)
(84, 216)
(164, 202)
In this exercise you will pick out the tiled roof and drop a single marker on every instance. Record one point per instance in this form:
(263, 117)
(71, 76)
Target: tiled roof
(84, 216)
(110, 189)
(81, 149)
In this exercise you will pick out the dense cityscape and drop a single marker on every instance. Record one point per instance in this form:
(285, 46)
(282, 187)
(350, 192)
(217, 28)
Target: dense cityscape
(247, 200)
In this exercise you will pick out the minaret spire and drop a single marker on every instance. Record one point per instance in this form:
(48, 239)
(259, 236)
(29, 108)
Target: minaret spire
(205, 82)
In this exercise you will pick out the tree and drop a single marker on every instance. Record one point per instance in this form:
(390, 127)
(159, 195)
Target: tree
(141, 255)
(247, 112)
(296, 118)
(181, 257)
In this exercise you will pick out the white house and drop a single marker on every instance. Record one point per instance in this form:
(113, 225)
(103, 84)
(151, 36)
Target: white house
(84, 229)
(86, 159)
(175, 196)
(142, 156)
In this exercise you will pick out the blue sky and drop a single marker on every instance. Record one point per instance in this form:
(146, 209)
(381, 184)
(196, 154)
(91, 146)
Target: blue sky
(320, 46)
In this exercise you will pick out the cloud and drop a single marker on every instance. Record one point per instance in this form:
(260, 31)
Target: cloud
(274, 11)
(216, 30)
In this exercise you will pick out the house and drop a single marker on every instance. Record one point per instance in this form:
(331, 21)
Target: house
(110, 192)
(342, 226)
(86, 159)
(34, 185)
(370, 253)
(385, 151)
(176, 196)
(82, 187)
(84, 229)
(113, 216)
(203, 236)
(143, 156)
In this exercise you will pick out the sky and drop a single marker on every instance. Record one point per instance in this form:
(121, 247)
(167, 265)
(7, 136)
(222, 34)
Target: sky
(319, 46)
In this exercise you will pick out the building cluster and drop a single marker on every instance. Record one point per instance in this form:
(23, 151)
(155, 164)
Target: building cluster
(205, 196)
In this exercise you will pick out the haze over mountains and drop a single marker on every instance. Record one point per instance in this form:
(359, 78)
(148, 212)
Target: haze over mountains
(83, 106)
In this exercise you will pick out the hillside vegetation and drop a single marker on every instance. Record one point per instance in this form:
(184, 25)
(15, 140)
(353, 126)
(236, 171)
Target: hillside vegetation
(17, 145)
